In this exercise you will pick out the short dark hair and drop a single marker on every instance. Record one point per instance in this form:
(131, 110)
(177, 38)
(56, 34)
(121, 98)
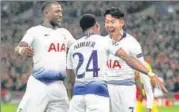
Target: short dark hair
(115, 12)
(87, 21)
(47, 4)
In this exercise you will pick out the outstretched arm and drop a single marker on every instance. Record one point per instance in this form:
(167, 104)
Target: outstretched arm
(132, 62)
(137, 65)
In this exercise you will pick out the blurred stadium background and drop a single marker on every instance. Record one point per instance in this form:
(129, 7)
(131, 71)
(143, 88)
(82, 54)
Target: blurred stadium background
(154, 24)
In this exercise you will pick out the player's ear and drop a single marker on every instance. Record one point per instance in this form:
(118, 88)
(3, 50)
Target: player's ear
(122, 22)
(98, 27)
(45, 13)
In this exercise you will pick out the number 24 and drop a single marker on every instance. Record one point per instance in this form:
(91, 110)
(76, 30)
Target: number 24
(93, 58)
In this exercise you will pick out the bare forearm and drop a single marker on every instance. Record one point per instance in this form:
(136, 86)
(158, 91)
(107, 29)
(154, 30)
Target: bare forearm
(69, 86)
(132, 61)
(70, 80)
(136, 64)
(70, 90)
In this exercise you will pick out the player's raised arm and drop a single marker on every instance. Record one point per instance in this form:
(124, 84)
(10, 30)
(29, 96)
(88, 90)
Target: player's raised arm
(136, 51)
(24, 47)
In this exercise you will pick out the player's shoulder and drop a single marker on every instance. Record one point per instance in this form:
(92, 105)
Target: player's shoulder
(129, 37)
(132, 40)
(96, 36)
(64, 30)
(34, 29)
(98, 39)
(93, 37)
(107, 38)
(101, 40)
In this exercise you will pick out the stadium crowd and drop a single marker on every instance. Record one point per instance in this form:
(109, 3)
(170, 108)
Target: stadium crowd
(158, 35)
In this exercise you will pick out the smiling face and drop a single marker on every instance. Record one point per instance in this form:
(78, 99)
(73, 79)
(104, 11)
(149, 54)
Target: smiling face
(113, 25)
(54, 13)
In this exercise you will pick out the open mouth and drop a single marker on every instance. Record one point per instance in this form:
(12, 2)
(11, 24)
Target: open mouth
(111, 30)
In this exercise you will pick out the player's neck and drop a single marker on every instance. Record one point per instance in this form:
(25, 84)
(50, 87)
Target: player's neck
(90, 31)
(117, 36)
(47, 24)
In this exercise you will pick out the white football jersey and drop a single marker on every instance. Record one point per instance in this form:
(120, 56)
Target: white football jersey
(118, 68)
(87, 57)
(119, 73)
(50, 46)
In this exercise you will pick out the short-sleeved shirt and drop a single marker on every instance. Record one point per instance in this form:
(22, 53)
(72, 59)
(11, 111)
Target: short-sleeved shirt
(50, 47)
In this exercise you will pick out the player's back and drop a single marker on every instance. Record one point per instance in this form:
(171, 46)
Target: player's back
(89, 56)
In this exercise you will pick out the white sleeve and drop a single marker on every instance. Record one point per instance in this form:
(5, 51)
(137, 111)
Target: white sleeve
(70, 38)
(148, 89)
(135, 49)
(137, 52)
(69, 59)
(28, 37)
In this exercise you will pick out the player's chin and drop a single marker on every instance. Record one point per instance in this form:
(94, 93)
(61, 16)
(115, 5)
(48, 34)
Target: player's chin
(59, 23)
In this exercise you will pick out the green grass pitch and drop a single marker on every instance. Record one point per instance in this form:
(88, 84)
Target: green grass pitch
(13, 107)
(8, 107)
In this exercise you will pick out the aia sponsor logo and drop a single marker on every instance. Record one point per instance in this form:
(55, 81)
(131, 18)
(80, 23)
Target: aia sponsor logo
(57, 47)
(113, 64)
